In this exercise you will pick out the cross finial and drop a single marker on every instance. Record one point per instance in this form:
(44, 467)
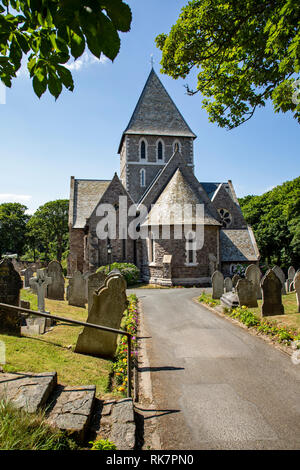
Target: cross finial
(151, 60)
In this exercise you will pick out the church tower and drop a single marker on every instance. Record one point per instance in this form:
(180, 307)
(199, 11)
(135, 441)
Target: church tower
(155, 130)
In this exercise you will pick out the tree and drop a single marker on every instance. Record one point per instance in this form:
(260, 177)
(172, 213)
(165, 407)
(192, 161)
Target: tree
(49, 32)
(13, 222)
(275, 219)
(246, 52)
(48, 228)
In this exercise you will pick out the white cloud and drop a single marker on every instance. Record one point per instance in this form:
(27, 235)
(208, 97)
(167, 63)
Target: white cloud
(85, 60)
(7, 197)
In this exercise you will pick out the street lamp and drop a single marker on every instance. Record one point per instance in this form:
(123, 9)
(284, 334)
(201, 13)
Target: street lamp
(109, 254)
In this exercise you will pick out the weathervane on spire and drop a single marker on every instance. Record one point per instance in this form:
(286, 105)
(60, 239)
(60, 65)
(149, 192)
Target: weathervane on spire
(151, 61)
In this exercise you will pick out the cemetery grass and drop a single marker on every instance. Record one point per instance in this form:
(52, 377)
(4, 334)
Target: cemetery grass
(20, 430)
(53, 351)
(290, 319)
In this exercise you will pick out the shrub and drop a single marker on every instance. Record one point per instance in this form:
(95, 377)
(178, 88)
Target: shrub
(102, 444)
(130, 272)
(130, 324)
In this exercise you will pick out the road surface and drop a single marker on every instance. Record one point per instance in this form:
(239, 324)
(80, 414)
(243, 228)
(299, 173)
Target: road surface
(216, 386)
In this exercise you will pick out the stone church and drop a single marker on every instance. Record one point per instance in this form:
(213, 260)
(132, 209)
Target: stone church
(156, 173)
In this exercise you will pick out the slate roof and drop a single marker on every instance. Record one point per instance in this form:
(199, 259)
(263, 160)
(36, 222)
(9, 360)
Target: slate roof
(86, 196)
(177, 193)
(238, 245)
(156, 113)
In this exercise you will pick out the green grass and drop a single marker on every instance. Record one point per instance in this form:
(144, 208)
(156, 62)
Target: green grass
(291, 317)
(54, 351)
(20, 430)
(289, 321)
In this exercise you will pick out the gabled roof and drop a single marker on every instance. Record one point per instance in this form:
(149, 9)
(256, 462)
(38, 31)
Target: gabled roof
(160, 181)
(171, 205)
(84, 196)
(238, 245)
(156, 113)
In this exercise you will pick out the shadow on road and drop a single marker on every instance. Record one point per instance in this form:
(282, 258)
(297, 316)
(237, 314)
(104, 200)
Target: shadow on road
(158, 369)
(156, 413)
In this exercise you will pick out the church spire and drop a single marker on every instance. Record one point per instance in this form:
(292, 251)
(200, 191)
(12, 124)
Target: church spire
(156, 113)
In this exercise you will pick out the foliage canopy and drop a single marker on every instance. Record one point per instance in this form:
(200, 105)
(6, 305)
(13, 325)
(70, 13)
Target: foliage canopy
(246, 52)
(275, 219)
(49, 32)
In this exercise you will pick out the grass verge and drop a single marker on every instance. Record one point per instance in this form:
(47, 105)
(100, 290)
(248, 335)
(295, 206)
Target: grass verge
(281, 328)
(20, 430)
(54, 351)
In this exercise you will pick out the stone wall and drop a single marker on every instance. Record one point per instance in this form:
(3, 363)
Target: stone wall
(131, 165)
(181, 273)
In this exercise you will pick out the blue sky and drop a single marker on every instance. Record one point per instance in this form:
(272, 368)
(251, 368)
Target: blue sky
(44, 142)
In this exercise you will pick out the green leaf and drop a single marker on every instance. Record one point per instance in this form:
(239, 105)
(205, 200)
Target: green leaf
(119, 13)
(66, 77)
(108, 37)
(77, 44)
(39, 86)
(54, 85)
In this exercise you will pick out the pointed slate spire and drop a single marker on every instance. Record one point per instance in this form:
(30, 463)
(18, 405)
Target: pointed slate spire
(156, 113)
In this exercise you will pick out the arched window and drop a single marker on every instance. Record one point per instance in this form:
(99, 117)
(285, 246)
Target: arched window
(160, 151)
(143, 150)
(190, 248)
(176, 146)
(143, 178)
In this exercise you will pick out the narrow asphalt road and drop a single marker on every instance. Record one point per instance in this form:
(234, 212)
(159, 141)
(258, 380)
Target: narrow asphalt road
(216, 386)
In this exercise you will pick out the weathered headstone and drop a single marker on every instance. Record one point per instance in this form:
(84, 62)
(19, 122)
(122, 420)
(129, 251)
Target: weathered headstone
(281, 276)
(10, 285)
(246, 293)
(291, 273)
(297, 289)
(94, 282)
(41, 282)
(109, 304)
(228, 284)
(56, 290)
(235, 280)
(28, 273)
(253, 274)
(230, 300)
(217, 281)
(271, 294)
(77, 290)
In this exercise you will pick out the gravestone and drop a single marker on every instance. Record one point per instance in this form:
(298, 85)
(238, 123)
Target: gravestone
(230, 300)
(246, 293)
(94, 282)
(56, 290)
(297, 289)
(217, 281)
(10, 286)
(271, 295)
(40, 283)
(235, 280)
(281, 276)
(228, 284)
(28, 273)
(77, 290)
(291, 273)
(109, 304)
(253, 274)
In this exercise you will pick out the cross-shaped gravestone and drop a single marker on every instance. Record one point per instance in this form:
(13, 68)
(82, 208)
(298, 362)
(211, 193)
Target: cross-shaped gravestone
(40, 282)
